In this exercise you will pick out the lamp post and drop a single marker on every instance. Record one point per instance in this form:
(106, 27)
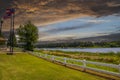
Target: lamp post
(12, 32)
(1, 23)
(10, 13)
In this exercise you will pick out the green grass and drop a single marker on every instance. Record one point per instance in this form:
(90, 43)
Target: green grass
(16, 49)
(27, 67)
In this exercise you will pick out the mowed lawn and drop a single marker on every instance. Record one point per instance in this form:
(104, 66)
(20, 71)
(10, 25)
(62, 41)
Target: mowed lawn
(28, 67)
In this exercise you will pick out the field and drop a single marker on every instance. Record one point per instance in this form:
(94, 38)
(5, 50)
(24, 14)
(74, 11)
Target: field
(27, 67)
(99, 57)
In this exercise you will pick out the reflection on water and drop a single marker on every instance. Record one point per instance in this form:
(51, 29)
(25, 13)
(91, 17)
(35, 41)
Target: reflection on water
(104, 50)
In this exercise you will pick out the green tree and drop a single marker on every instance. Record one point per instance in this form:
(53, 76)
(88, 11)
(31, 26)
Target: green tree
(28, 34)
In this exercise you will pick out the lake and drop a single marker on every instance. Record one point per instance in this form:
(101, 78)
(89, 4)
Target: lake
(101, 50)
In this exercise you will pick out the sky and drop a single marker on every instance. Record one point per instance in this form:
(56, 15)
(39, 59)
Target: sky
(81, 28)
(68, 19)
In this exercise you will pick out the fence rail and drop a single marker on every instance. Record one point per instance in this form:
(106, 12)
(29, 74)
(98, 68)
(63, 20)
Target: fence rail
(106, 68)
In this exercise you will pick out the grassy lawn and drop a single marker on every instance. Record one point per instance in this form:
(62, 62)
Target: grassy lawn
(27, 67)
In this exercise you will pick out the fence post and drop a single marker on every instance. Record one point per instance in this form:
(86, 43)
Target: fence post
(119, 68)
(45, 55)
(40, 54)
(53, 58)
(65, 60)
(84, 64)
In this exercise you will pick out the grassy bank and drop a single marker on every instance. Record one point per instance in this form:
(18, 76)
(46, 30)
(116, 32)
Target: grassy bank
(27, 67)
(99, 57)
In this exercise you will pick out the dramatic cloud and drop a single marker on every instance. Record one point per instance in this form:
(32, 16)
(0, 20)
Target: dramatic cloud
(57, 30)
(56, 37)
(43, 12)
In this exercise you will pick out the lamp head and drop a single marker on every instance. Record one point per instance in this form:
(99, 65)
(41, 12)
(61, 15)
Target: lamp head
(1, 20)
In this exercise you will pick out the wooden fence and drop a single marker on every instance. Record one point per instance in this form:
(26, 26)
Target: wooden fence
(106, 68)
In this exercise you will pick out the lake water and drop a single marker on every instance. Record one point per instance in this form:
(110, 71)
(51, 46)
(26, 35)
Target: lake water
(102, 50)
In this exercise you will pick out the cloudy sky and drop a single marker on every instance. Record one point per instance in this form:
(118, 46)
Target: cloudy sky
(81, 28)
(68, 19)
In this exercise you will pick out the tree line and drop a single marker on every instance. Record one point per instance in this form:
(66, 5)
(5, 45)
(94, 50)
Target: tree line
(80, 44)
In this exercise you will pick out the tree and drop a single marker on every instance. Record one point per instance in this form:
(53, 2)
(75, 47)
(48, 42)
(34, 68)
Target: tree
(28, 34)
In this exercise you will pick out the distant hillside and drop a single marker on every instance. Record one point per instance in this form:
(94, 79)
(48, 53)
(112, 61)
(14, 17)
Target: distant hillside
(102, 41)
(106, 38)
(112, 37)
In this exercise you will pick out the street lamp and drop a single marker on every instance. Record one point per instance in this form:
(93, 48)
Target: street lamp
(1, 23)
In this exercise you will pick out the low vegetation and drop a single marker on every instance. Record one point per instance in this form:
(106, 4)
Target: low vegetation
(77, 44)
(27, 67)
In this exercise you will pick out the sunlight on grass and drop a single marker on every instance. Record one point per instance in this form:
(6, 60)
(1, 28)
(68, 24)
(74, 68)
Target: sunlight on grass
(27, 67)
